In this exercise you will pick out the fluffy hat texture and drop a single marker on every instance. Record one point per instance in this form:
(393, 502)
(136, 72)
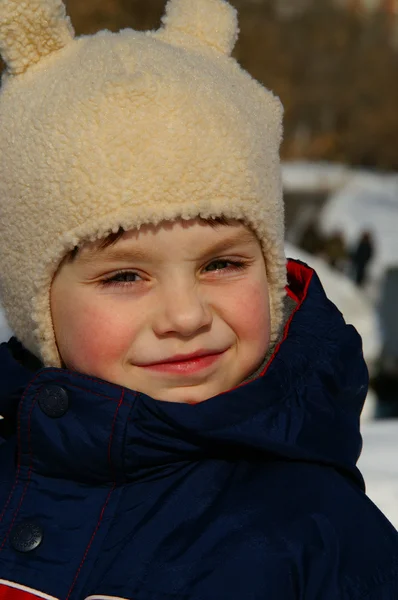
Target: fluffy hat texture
(118, 130)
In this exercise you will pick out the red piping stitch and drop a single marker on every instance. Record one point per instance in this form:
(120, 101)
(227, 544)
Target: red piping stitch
(105, 503)
(76, 387)
(111, 437)
(29, 472)
(91, 540)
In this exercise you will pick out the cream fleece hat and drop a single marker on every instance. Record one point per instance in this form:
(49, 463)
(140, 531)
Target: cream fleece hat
(120, 130)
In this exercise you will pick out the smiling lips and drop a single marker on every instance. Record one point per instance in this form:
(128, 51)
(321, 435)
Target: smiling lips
(186, 364)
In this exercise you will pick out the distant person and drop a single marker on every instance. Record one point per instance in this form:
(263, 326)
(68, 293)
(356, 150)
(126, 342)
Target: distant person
(311, 239)
(361, 257)
(191, 431)
(335, 251)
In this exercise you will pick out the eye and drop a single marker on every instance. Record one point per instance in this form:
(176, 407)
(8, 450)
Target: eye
(224, 264)
(122, 278)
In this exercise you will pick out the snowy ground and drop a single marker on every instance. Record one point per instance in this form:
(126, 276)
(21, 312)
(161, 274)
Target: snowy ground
(379, 465)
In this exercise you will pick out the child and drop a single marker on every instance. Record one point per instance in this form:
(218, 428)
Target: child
(179, 424)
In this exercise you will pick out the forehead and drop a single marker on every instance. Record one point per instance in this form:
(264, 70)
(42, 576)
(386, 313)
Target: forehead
(188, 236)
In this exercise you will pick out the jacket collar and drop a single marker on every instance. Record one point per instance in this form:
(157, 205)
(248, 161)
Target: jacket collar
(305, 405)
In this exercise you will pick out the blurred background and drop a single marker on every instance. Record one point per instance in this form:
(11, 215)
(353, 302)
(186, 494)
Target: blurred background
(334, 64)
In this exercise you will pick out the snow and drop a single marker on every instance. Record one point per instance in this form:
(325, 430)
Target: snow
(5, 331)
(367, 202)
(379, 466)
(302, 176)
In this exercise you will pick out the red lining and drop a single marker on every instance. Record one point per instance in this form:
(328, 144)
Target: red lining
(302, 274)
(10, 590)
(106, 500)
(299, 277)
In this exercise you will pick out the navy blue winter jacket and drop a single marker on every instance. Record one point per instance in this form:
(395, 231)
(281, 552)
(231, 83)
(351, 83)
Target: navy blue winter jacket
(251, 495)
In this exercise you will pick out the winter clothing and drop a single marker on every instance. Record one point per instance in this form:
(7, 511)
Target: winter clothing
(252, 494)
(120, 130)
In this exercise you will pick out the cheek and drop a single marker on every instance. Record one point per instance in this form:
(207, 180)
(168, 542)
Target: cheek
(93, 336)
(249, 315)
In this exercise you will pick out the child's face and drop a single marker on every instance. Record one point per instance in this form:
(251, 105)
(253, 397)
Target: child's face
(180, 288)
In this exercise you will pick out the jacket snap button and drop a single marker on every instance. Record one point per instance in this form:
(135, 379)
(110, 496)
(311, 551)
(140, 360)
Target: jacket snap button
(53, 401)
(26, 536)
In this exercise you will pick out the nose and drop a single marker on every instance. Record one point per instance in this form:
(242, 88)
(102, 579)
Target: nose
(182, 310)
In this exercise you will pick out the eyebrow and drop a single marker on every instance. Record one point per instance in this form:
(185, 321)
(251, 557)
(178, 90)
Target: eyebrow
(241, 237)
(119, 254)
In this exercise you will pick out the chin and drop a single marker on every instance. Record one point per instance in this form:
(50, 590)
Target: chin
(185, 395)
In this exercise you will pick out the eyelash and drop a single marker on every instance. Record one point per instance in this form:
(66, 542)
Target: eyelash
(235, 265)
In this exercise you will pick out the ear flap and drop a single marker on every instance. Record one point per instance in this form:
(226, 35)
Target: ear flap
(31, 30)
(212, 22)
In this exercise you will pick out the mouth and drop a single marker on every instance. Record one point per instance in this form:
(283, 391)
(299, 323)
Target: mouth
(186, 364)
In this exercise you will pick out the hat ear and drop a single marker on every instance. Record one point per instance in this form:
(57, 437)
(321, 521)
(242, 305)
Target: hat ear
(212, 22)
(32, 30)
